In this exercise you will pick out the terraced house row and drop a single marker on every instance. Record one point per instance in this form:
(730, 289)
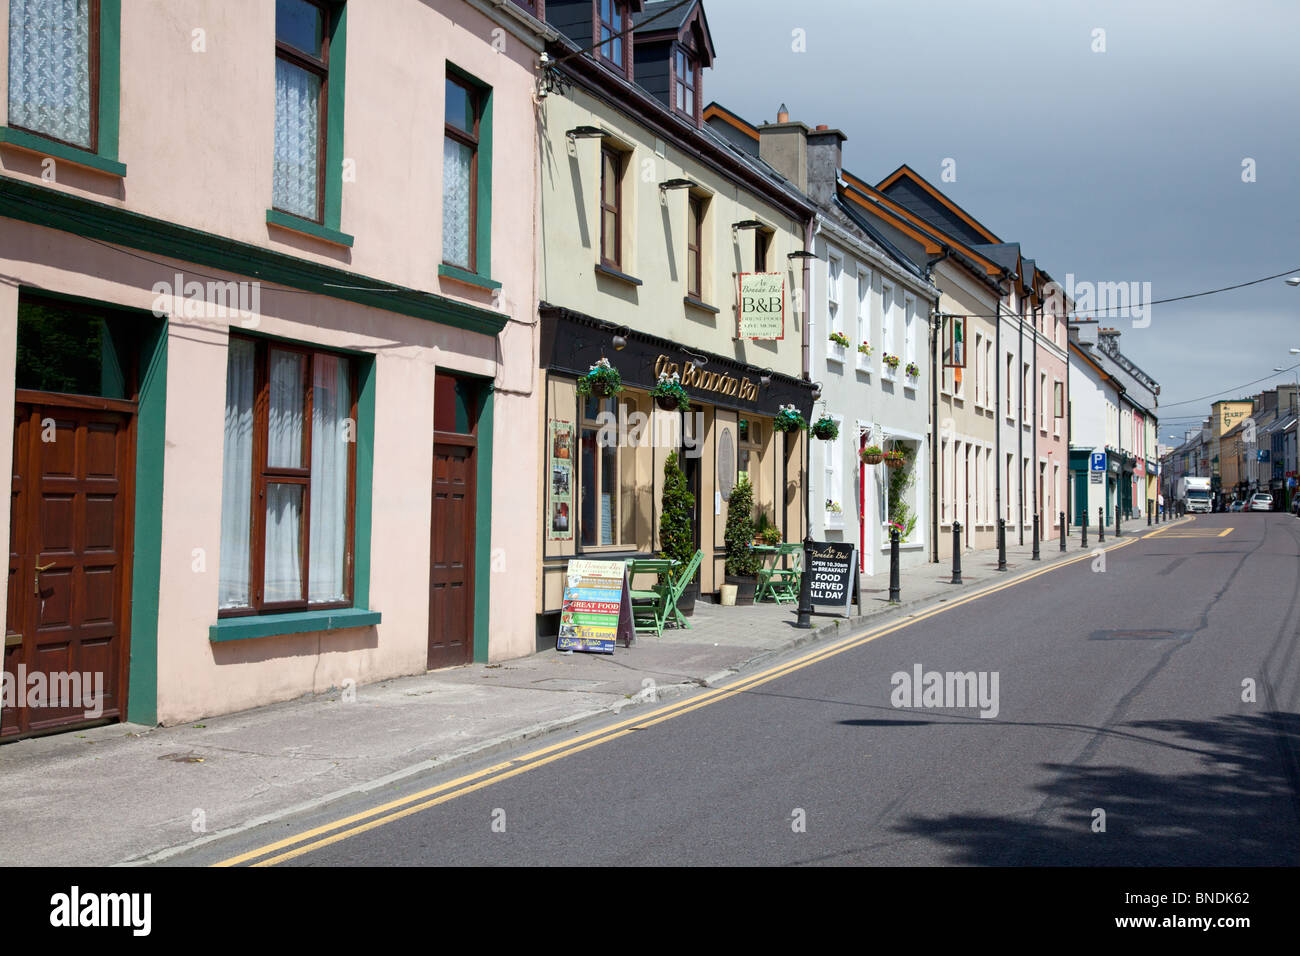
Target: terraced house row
(300, 300)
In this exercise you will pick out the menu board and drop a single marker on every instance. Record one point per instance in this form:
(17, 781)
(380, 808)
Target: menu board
(559, 488)
(762, 306)
(597, 607)
(832, 567)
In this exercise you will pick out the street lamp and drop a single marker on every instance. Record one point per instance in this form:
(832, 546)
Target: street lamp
(1293, 281)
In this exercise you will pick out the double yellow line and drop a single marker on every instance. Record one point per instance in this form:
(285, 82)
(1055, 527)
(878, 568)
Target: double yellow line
(338, 830)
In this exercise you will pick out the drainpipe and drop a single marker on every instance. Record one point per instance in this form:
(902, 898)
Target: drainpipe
(936, 330)
(1020, 427)
(1038, 418)
(997, 372)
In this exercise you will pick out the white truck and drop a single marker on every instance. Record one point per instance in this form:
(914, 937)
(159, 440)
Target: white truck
(1193, 494)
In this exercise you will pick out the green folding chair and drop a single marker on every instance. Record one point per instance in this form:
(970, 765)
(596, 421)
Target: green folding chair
(680, 580)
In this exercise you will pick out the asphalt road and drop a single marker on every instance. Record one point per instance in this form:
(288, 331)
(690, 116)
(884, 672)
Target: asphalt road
(1119, 692)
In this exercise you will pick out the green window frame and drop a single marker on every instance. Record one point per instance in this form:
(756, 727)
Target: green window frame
(106, 85)
(481, 274)
(329, 227)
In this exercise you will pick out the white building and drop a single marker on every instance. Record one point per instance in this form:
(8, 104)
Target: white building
(862, 292)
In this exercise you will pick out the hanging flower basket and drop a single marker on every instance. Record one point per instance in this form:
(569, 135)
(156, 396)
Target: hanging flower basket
(872, 455)
(892, 361)
(912, 370)
(865, 348)
(825, 428)
(840, 339)
(788, 419)
(669, 394)
(602, 380)
(895, 459)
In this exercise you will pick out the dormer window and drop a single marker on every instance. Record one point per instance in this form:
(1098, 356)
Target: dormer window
(685, 82)
(610, 27)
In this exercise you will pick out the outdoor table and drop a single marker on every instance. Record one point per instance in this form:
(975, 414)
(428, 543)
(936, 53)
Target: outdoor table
(776, 582)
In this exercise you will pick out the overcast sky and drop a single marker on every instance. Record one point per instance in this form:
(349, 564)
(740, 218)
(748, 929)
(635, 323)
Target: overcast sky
(1123, 165)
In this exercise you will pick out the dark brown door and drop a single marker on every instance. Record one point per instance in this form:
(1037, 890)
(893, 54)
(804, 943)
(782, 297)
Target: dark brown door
(69, 564)
(451, 573)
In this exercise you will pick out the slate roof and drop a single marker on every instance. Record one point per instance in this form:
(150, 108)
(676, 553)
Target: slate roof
(1005, 254)
(672, 21)
(863, 222)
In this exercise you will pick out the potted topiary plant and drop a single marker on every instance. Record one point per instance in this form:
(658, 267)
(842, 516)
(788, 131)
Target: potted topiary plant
(825, 428)
(742, 562)
(602, 380)
(676, 535)
(669, 394)
(872, 455)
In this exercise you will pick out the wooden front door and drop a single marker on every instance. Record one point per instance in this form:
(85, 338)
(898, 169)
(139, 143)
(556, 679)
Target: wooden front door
(451, 569)
(69, 561)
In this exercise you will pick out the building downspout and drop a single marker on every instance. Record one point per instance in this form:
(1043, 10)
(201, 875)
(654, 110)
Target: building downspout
(1020, 428)
(936, 330)
(1036, 425)
(997, 417)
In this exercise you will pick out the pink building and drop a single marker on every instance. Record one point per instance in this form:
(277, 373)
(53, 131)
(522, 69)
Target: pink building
(267, 299)
(1052, 426)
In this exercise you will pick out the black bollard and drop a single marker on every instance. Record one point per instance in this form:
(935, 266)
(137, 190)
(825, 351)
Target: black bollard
(1002, 544)
(1035, 556)
(1083, 531)
(893, 566)
(1150, 506)
(1062, 520)
(805, 609)
(1101, 525)
(1118, 511)
(956, 553)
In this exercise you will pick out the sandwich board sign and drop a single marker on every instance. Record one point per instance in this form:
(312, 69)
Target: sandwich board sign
(597, 607)
(833, 568)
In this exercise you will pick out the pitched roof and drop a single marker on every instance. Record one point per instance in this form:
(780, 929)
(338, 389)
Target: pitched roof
(861, 221)
(927, 201)
(668, 21)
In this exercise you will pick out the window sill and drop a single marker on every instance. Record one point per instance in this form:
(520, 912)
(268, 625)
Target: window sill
(700, 304)
(298, 622)
(616, 275)
(457, 274)
(71, 154)
(305, 227)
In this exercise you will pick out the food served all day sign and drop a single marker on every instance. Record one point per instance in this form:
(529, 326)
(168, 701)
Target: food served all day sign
(762, 306)
(832, 568)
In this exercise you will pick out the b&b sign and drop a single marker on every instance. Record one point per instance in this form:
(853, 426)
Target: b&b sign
(832, 567)
(762, 306)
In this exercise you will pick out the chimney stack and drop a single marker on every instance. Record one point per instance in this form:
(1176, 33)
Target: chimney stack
(782, 114)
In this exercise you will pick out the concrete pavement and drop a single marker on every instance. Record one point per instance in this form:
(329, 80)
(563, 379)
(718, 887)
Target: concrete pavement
(128, 793)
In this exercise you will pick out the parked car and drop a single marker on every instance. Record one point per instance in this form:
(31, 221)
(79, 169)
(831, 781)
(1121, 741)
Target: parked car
(1237, 505)
(1261, 502)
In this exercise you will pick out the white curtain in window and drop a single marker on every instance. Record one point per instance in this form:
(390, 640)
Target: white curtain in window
(456, 159)
(297, 140)
(237, 477)
(330, 442)
(49, 68)
(285, 411)
(283, 543)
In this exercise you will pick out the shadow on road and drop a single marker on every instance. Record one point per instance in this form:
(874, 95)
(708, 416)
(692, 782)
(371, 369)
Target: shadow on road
(1242, 808)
